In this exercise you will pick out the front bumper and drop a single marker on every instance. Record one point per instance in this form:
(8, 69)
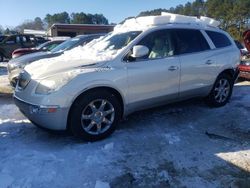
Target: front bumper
(50, 117)
(245, 75)
(244, 71)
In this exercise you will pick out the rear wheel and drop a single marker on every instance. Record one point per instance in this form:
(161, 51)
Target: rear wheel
(95, 115)
(221, 92)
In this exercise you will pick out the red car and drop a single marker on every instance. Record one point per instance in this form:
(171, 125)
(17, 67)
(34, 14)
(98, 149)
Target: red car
(47, 46)
(244, 66)
(244, 69)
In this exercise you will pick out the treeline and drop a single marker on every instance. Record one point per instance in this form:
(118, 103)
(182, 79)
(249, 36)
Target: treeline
(234, 15)
(75, 18)
(63, 17)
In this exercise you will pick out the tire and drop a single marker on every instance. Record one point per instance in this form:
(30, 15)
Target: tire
(221, 91)
(94, 115)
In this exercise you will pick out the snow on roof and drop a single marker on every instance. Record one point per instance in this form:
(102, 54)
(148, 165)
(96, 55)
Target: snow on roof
(144, 22)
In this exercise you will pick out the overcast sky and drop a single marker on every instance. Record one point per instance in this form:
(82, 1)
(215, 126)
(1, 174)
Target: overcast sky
(14, 12)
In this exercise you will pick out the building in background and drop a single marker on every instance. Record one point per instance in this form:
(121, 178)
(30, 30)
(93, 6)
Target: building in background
(38, 33)
(73, 30)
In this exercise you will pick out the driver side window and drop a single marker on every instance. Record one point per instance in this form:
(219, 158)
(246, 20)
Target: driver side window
(11, 40)
(160, 44)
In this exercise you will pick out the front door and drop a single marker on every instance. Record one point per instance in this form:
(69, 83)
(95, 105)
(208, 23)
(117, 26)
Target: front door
(154, 78)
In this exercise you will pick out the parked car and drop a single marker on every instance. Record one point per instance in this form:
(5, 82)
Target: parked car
(244, 68)
(47, 46)
(2, 37)
(244, 52)
(146, 62)
(40, 40)
(15, 66)
(13, 42)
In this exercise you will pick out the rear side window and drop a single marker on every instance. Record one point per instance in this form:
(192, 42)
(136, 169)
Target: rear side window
(24, 39)
(190, 41)
(219, 39)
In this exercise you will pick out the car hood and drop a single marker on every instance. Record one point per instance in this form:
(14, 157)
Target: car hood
(29, 58)
(47, 67)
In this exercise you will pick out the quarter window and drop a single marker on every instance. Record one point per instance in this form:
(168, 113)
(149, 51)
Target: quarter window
(190, 41)
(219, 39)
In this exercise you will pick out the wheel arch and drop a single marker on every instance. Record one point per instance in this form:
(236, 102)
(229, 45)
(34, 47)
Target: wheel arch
(98, 88)
(228, 71)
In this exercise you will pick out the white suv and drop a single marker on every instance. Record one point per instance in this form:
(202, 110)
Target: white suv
(145, 62)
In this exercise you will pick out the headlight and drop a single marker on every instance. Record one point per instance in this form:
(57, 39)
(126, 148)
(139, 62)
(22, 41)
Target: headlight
(13, 66)
(54, 83)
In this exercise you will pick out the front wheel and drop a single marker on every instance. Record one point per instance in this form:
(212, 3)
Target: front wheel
(95, 115)
(221, 92)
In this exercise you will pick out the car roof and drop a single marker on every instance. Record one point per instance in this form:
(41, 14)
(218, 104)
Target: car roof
(167, 20)
(90, 35)
(187, 26)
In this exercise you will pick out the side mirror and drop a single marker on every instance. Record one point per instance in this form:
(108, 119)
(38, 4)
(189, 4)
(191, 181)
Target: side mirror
(139, 51)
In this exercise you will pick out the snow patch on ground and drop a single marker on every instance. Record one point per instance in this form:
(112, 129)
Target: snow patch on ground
(8, 112)
(100, 184)
(163, 147)
(108, 147)
(172, 139)
(6, 180)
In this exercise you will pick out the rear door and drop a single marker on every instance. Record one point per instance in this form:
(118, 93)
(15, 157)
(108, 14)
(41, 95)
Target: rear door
(198, 63)
(155, 77)
(28, 41)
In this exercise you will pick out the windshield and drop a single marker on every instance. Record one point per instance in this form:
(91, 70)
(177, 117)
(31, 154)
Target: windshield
(115, 41)
(42, 45)
(66, 45)
(102, 49)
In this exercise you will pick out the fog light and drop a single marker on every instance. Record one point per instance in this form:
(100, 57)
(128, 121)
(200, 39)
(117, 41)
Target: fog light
(35, 109)
(43, 109)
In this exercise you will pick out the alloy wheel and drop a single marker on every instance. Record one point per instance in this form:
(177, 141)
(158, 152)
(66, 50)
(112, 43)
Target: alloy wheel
(98, 116)
(222, 90)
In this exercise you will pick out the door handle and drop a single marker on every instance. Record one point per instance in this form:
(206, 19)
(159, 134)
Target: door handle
(173, 68)
(209, 62)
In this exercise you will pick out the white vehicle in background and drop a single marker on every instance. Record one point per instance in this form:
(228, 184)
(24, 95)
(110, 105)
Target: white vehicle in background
(145, 62)
(16, 65)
